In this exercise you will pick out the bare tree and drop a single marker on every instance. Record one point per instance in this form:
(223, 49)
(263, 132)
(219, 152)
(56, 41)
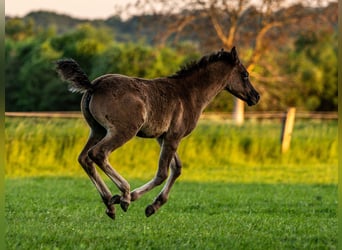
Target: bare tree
(254, 25)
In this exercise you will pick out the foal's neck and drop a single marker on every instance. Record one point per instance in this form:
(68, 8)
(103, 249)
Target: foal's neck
(206, 83)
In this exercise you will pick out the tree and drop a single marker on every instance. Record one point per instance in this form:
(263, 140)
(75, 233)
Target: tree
(33, 85)
(291, 69)
(18, 30)
(83, 44)
(313, 65)
(31, 80)
(256, 28)
(141, 60)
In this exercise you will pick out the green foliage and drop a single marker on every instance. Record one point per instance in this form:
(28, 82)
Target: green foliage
(213, 152)
(83, 44)
(307, 68)
(137, 59)
(18, 29)
(67, 213)
(32, 83)
(313, 65)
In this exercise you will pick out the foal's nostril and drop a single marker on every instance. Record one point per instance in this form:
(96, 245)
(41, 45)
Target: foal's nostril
(255, 97)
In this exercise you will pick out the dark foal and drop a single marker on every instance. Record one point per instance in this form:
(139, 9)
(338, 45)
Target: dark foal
(118, 107)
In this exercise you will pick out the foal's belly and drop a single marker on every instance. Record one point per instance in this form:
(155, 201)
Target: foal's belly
(142, 134)
(154, 129)
(150, 133)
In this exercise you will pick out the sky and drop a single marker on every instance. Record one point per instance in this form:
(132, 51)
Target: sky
(98, 9)
(101, 9)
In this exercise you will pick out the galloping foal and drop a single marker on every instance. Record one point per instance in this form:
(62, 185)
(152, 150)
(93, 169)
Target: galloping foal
(119, 107)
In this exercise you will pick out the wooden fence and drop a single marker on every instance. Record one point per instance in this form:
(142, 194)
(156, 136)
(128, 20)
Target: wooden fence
(287, 118)
(205, 115)
(273, 115)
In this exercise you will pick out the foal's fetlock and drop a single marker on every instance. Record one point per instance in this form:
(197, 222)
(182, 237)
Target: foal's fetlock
(116, 199)
(159, 201)
(124, 205)
(110, 211)
(125, 201)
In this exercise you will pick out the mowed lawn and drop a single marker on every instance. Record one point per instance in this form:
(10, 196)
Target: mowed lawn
(236, 191)
(66, 213)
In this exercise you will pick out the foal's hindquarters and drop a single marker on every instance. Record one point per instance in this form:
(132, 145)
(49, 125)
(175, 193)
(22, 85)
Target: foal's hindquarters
(110, 128)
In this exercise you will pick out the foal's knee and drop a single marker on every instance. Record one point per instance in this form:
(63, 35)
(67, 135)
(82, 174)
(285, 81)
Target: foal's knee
(86, 163)
(83, 160)
(97, 156)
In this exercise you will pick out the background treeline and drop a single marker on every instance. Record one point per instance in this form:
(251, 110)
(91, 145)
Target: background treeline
(31, 80)
(301, 72)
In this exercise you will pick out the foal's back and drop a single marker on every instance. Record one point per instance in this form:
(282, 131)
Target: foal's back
(150, 107)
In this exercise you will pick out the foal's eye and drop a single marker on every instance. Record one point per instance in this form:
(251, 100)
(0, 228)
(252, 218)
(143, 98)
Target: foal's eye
(245, 75)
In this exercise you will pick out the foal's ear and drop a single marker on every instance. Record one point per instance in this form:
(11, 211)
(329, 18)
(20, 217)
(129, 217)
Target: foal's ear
(235, 56)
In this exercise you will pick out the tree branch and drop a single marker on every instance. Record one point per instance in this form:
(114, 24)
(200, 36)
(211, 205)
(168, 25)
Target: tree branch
(217, 27)
(176, 27)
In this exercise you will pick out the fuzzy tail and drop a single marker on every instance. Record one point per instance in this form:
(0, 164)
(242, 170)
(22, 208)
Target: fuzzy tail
(70, 71)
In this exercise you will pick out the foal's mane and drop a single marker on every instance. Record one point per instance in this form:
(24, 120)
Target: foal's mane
(194, 66)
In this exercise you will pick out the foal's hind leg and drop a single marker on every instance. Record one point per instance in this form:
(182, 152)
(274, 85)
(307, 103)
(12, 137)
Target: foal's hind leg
(100, 153)
(88, 166)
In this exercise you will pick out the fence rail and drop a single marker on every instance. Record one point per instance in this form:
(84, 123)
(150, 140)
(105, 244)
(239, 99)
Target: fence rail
(205, 115)
(45, 114)
(274, 115)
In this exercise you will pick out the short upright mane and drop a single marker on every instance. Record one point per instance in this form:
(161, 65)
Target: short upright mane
(193, 66)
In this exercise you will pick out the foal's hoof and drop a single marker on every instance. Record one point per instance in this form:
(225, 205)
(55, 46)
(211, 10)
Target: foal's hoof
(124, 205)
(110, 213)
(149, 210)
(115, 199)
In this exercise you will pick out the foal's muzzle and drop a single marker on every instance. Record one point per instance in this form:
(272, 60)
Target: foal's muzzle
(253, 98)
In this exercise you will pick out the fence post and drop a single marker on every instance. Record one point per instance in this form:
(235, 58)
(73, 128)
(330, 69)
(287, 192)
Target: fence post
(287, 129)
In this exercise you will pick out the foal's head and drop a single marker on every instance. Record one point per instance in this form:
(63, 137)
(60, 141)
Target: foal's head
(238, 82)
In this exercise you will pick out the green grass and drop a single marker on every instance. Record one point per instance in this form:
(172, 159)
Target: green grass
(213, 152)
(236, 191)
(66, 213)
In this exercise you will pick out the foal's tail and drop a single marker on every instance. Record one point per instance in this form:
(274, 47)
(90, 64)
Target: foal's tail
(70, 71)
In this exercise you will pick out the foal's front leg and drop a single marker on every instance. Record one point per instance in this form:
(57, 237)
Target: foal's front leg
(163, 196)
(168, 150)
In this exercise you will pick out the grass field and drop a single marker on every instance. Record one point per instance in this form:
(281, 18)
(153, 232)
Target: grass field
(237, 191)
(65, 213)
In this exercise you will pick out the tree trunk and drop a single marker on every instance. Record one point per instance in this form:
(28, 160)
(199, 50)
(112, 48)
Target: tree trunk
(239, 112)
